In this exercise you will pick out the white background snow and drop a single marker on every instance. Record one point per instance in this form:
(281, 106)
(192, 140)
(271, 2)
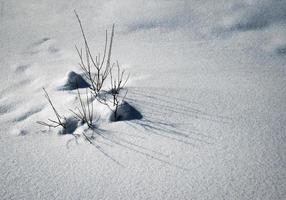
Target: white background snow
(208, 77)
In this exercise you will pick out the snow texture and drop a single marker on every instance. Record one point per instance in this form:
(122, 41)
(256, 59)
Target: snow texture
(206, 95)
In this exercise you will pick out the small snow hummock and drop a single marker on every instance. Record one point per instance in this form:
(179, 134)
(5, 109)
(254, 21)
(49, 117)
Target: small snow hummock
(73, 82)
(125, 112)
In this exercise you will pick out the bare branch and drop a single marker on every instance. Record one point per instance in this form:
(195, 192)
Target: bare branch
(60, 120)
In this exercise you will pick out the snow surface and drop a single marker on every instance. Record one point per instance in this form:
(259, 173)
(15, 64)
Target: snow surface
(207, 76)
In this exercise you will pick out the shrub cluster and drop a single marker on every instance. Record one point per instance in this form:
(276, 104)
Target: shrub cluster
(96, 70)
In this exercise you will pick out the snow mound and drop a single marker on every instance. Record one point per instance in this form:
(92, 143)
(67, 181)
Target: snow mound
(281, 50)
(125, 112)
(71, 125)
(73, 82)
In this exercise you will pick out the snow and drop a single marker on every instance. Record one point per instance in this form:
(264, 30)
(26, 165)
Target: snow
(208, 78)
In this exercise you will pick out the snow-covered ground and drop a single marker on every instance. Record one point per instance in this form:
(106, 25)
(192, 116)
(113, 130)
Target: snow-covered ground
(207, 76)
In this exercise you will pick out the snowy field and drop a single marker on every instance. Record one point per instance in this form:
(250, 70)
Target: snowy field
(208, 77)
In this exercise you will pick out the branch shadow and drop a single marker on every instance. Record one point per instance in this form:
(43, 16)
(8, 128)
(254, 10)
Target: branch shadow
(155, 100)
(110, 140)
(97, 144)
(156, 107)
